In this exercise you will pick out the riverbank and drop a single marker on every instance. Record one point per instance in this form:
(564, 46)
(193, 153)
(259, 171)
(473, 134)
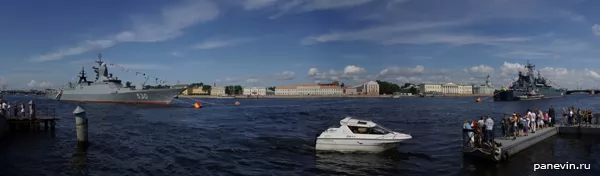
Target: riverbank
(287, 96)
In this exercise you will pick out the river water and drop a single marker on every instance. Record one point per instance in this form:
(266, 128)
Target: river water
(277, 137)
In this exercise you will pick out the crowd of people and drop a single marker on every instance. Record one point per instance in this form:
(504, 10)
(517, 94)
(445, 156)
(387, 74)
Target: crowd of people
(482, 132)
(516, 125)
(579, 117)
(17, 110)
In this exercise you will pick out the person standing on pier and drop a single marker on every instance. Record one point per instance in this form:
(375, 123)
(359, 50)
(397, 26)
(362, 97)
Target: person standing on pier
(552, 116)
(16, 109)
(564, 116)
(489, 130)
(570, 117)
(22, 110)
(31, 109)
(480, 125)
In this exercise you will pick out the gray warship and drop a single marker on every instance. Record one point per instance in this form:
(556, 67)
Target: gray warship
(109, 89)
(528, 87)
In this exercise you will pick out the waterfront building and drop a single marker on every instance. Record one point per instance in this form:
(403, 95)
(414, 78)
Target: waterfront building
(452, 88)
(255, 91)
(448, 88)
(217, 91)
(425, 87)
(487, 88)
(309, 89)
(367, 88)
(350, 91)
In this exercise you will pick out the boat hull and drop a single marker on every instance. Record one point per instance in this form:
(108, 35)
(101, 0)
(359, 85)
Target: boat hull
(514, 95)
(150, 96)
(356, 145)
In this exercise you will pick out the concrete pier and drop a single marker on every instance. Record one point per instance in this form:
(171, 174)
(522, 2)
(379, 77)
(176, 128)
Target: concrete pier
(511, 147)
(579, 130)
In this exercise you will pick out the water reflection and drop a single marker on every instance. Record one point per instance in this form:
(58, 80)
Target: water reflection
(385, 163)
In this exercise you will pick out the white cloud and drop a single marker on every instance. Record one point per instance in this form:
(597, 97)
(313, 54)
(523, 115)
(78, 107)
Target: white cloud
(504, 74)
(219, 43)
(302, 6)
(31, 83)
(169, 25)
(400, 71)
(593, 74)
(352, 69)
(350, 72)
(511, 69)
(596, 29)
(313, 71)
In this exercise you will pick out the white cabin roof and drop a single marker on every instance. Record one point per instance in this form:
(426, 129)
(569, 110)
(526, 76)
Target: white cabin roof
(349, 121)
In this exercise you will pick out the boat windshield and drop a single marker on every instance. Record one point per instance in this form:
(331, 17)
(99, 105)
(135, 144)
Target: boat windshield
(381, 130)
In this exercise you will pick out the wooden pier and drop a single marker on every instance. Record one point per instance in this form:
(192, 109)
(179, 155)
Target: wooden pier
(510, 147)
(46, 118)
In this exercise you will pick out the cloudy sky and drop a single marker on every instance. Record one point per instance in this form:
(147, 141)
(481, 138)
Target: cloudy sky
(285, 42)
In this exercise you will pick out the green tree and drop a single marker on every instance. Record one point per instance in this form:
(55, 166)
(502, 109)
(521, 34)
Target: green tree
(207, 88)
(414, 90)
(387, 87)
(342, 85)
(233, 90)
(271, 88)
(197, 84)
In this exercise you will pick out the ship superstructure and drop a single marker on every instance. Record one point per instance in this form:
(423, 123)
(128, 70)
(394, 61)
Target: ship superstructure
(528, 86)
(109, 89)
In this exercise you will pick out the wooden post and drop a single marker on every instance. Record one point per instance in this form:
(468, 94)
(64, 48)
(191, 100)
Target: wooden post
(81, 125)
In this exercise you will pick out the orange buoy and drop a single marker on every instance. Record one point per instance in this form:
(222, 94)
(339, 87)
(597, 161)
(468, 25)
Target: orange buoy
(197, 105)
(236, 103)
(478, 100)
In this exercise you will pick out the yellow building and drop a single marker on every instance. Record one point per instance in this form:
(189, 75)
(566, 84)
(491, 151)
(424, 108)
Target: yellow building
(194, 91)
(217, 91)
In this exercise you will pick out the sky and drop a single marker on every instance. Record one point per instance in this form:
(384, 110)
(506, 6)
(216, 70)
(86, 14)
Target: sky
(44, 44)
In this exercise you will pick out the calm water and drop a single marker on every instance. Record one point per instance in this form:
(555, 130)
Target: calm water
(277, 137)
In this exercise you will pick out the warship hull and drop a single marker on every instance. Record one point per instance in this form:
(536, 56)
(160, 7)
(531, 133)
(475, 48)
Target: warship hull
(514, 95)
(149, 96)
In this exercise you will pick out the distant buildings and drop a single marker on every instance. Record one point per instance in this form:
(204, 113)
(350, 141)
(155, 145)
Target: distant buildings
(448, 88)
(217, 91)
(487, 88)
(310, 89)
(452, 88)
(255, 91)
(368, 88)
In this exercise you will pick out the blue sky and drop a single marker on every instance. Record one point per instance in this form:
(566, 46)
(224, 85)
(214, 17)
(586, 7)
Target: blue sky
(286, 42)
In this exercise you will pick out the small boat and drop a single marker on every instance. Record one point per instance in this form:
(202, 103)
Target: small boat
(355, 135)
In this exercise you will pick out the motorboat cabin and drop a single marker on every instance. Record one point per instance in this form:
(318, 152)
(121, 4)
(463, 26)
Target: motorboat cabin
(356, 135)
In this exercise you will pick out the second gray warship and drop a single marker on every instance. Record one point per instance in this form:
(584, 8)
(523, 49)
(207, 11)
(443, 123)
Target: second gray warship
(528, 87)
(107, 89)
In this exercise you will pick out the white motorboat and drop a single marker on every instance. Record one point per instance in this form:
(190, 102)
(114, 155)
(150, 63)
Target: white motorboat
(355, 135)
